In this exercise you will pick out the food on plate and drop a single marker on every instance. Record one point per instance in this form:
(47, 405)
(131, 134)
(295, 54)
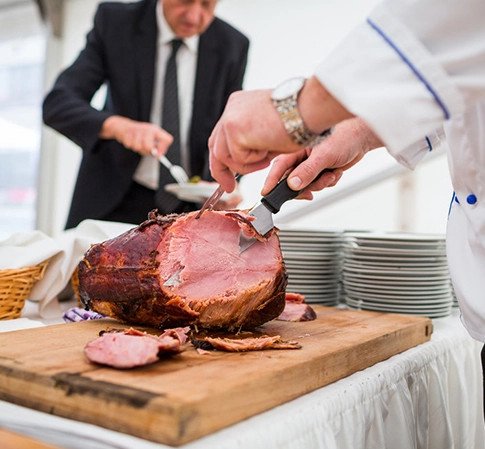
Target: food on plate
(177, 270)
(130, 348)
(296, 309)
(197, 190)
(194, 180)
(244, 344)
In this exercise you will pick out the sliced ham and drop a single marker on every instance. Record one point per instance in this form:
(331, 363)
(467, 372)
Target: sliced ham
(296, 309)
(131, 348)
(297, 312)
(177, 270)
(244, 344)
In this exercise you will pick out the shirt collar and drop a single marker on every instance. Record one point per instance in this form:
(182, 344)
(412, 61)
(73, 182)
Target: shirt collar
(166, 34)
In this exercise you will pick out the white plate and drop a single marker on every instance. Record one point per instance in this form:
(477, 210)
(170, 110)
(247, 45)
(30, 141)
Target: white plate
(321, 294)
(403, 284)
(362, 251)
(430, 313)
(314, 275)
(305, 256)
(400, 298)
(396, 237)
(196, 192)
(397, 272)
(316, 289)
(400, 257)
(311, 264)
(310, 246)
(357, 302)
(410, 288)
(395, 265)
(395, 277)
(397, 293)
(311, 233)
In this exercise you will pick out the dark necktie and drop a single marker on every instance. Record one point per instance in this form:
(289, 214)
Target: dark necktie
(166, 202)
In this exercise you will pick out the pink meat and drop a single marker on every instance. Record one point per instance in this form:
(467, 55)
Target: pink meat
(178, 270)
(296, 309)
(250, 344)
(132, 348)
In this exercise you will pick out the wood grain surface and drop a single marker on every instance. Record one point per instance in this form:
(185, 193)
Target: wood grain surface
(186, 396)
(12, 440)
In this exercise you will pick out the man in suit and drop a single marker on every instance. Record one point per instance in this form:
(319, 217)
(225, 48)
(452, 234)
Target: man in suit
(127, 50)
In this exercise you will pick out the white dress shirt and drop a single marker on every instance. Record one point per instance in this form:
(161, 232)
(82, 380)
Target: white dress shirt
(147, 172)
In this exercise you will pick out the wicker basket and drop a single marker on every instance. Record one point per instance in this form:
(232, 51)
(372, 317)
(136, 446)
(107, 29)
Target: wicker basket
(15, 287)
(75, 286)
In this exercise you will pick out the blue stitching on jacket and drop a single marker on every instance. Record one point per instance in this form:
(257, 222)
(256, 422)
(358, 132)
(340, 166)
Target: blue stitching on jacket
(451, 203)
(411, 66)
(429, 143)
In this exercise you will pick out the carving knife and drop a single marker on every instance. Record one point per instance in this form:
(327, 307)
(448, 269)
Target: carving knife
(263, 212)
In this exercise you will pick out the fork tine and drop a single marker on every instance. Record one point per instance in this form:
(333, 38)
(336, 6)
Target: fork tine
(177, 172)
(214, 198)
(211, 201)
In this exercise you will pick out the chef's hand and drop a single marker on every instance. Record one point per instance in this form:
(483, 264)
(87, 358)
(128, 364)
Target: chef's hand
(141, 137)
(240, 141)
(250, 133)
(349, 142)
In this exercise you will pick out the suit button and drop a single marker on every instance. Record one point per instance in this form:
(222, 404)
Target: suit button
(471, 199)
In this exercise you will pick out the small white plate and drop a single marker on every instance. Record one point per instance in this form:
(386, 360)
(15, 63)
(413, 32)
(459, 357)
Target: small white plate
(196, 192)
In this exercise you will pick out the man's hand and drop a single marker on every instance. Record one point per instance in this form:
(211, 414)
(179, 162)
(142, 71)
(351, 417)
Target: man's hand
(250, 133)
(349, 142)
(141, 137)
(244, 136)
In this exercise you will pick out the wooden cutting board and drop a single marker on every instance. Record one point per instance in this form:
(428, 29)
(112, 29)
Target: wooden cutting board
(189, 395)
(12, 440)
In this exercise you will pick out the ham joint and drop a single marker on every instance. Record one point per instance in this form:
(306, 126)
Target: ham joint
(175, 270)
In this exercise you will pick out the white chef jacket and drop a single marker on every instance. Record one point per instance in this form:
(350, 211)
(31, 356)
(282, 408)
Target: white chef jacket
(422, 70)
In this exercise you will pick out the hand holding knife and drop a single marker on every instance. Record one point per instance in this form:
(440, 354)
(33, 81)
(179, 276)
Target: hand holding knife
(270, 204)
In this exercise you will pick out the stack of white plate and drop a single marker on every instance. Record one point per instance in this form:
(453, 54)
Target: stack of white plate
(313, 260)
(397, 273)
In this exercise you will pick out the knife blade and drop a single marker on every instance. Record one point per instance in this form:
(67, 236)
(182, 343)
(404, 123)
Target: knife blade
(269, 205)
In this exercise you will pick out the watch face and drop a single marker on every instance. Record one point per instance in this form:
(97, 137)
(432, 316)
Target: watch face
(288, 88)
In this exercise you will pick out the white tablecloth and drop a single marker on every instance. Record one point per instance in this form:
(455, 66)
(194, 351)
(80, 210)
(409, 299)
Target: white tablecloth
(427, 397)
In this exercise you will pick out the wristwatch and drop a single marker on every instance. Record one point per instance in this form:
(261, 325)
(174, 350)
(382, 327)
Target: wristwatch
(285, 100)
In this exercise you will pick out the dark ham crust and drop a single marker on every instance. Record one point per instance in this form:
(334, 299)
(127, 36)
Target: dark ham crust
(175, 270)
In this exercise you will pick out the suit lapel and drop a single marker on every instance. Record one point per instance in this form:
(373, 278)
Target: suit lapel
(208, 64)
(145, 41)
(208, 61)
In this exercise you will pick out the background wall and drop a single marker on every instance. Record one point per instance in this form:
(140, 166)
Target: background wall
(288, 38)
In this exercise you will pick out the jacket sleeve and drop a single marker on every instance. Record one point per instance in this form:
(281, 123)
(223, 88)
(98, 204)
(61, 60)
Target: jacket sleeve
(409, 68)
(67, 107)
(236, 76)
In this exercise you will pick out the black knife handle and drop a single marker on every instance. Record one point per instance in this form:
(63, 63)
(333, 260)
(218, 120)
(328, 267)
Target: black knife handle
(282, 193)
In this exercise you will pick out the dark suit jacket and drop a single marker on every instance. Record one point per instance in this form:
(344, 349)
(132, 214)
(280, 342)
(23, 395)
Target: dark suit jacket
(120, 51)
